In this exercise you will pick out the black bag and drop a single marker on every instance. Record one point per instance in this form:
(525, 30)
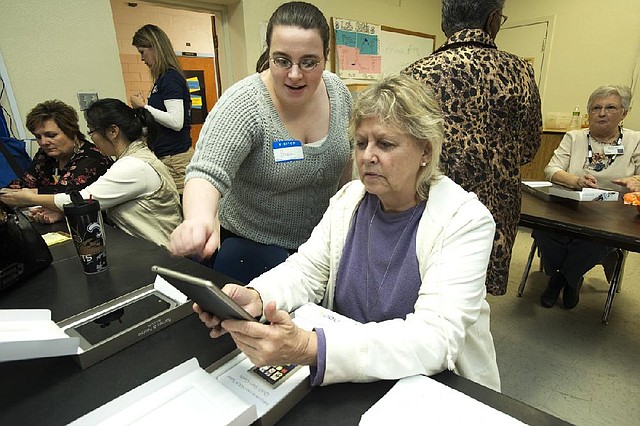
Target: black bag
(22, 248)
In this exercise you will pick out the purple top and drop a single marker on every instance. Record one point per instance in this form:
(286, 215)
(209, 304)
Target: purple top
(378, 278)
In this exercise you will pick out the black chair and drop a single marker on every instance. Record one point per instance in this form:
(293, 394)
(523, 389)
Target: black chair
(244, 259)
(613, 265)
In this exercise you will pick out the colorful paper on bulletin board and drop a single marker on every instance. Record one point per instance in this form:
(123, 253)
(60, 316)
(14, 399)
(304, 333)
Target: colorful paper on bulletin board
(196, 102)
(193, 84)
(357, 49)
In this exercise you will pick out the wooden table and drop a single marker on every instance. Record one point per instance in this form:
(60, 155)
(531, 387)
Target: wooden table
(611, 223)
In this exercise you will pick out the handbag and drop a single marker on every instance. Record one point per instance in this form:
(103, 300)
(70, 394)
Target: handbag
(23, 251)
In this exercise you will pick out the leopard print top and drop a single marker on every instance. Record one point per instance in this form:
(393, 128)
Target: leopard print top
(493, 125)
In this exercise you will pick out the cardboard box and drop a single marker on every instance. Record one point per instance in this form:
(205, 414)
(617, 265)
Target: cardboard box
(105, 329)
(185, 394)
(586, 194)
(270, 403)
(30, 333)
(227, 393)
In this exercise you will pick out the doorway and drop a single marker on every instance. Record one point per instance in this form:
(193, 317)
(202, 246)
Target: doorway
(530, 40)
(193, 36)
(201, 80)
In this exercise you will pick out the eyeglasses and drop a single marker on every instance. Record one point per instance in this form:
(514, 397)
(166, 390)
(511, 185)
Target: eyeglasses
(307, 64)
(503, 19)
(608, 109)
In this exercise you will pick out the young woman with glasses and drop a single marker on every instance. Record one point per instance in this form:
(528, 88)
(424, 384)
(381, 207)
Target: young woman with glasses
(274, 147)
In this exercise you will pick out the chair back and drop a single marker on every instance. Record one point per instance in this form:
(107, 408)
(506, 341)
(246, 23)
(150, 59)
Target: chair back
(244, 259)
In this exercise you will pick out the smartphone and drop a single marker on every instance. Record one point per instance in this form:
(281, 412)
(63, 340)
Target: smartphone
(275, 375)
(205, 293)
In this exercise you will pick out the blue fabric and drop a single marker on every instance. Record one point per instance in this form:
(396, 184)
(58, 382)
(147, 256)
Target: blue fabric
(244, 259)
(171, 85)
(17, 149)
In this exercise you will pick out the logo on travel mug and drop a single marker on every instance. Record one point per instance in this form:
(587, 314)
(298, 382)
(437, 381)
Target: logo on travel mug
(84, 220)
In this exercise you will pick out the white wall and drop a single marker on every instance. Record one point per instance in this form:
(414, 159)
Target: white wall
(57, 48)
(416, 15)
(594, 43)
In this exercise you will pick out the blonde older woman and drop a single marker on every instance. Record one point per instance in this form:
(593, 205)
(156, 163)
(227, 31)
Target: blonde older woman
(605, 155)
(403, 250)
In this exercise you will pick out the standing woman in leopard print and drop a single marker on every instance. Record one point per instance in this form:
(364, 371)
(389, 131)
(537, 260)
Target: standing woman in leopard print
(493, 123)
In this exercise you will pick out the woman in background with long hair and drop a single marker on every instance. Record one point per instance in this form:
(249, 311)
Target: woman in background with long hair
(169, 101)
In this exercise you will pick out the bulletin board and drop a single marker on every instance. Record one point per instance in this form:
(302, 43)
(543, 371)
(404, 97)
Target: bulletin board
(366, 51)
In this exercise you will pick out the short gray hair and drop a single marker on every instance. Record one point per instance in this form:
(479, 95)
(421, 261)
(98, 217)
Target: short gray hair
(612, 89)
(463, 14)
(410, 106)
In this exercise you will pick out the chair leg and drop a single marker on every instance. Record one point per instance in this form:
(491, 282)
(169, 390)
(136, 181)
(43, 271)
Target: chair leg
(527, 267)
(614, 285)
(622, 257)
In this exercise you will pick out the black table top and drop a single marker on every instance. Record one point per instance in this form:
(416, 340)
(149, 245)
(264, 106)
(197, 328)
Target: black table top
(57, 391)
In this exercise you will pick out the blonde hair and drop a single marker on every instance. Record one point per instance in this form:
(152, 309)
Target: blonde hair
(151, 36)
(410, 106)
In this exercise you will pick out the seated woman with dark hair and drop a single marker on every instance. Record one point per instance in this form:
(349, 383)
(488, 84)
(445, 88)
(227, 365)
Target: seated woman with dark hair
(65, 160)
(137, 192)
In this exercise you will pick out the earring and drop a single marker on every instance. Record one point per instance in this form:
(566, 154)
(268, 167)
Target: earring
(423, 164)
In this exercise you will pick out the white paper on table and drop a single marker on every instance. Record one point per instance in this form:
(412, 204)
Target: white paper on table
(537, 183)
(310, 316)
(185, 394)
(422, 400)
(30, 333)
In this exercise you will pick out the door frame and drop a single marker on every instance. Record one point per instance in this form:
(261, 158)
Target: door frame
(550, 20)
(222, 45)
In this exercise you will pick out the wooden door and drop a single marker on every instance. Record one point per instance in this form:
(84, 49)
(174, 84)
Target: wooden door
(201, 79)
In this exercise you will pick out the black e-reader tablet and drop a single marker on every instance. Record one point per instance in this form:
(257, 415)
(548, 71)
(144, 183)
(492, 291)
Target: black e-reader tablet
(205, 293)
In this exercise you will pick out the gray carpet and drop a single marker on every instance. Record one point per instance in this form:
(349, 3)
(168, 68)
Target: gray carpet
(566, 362)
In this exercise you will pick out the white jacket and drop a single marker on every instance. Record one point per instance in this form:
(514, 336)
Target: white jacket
(449, 327)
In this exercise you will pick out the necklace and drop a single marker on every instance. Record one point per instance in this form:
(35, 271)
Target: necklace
(599, 165)
(393, 253)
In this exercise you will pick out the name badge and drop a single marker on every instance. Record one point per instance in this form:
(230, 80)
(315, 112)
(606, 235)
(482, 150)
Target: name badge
(285, 151)
(613, 150)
